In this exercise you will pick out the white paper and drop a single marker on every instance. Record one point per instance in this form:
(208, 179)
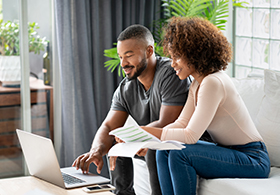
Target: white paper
(133, 134)
(130, 121)
(136, 138)
(131, 148)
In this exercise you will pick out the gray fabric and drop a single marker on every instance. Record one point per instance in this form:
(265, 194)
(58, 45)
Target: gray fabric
(74, 51)
(84, 29)
(144, 106)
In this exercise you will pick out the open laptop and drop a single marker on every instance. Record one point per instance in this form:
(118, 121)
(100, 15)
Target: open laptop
(42, 162)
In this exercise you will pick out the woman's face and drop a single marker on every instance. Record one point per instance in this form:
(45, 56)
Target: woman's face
(180, 65)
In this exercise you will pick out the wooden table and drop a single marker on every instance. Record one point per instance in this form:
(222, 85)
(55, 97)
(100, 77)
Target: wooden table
(41, 97)
(30, 185)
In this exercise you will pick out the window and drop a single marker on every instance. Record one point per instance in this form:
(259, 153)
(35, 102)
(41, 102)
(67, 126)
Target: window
(257, 37)
(12, 111)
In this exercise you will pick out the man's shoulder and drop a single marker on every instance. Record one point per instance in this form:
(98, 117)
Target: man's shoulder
(164, 66)
(163, 62)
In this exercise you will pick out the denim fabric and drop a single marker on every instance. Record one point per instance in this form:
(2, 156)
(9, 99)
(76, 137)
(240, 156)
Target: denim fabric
(122, 176)
(178, 169)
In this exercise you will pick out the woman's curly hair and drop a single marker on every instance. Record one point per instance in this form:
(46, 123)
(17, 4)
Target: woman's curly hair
(200, 42)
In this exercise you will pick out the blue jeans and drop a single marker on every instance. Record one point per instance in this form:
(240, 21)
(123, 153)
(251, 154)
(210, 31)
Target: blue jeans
(178, 169)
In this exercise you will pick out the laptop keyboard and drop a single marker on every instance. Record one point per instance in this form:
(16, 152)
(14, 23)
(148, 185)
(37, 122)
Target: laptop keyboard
(69, 179)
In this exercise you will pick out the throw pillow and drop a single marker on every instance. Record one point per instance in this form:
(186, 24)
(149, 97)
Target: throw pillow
(268, 118)
(251, 91)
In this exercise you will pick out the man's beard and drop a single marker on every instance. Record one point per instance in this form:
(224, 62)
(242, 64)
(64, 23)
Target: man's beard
(139, 69)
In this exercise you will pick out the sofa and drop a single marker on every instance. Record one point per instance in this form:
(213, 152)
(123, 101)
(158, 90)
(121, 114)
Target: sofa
(261, 95)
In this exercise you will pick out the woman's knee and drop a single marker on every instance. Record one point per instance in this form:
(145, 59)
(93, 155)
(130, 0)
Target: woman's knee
(176, 156)
(162, 155)
(181, 157)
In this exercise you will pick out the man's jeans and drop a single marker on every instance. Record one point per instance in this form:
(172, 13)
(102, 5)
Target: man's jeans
(122, 176)
(178, 169)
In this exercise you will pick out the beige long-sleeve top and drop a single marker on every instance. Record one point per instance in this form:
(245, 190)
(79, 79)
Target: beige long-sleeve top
(217, 108)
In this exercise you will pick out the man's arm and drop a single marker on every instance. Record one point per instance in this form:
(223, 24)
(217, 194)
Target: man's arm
(167, 115)
(102, 142)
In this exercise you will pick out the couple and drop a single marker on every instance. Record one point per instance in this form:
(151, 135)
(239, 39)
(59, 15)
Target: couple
(197, 48)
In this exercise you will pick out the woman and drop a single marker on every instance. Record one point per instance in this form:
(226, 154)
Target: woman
(198, 48)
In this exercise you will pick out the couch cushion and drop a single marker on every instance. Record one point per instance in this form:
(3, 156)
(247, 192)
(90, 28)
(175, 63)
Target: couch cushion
(268, 118)
(252, 92)
(268, 186)
(141, 177)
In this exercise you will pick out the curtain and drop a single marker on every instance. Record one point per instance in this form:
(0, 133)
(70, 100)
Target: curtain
(84, 28)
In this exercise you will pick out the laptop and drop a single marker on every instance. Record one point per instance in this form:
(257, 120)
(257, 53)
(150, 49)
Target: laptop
(42, 162)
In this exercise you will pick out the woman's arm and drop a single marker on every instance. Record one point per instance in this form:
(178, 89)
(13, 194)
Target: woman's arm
(155, 131)
(209, 98)
(186, 113)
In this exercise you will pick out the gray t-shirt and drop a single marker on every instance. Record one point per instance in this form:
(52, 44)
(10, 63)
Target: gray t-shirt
(144, 106)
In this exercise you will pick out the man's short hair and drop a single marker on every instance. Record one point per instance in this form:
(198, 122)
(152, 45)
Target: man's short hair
(137, 31)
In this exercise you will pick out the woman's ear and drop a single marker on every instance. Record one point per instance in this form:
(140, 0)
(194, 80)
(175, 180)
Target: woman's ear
(149, 51)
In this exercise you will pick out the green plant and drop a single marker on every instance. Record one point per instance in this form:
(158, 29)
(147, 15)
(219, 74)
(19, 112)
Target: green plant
(114, 62)
(9, 38)
(214, 11)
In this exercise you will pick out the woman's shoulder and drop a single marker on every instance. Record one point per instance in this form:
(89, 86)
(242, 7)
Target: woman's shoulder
(216, 78)
(219, 81)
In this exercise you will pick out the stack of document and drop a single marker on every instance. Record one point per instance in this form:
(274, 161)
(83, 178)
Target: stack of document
(136, 138)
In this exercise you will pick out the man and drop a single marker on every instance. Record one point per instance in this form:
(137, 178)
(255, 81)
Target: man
(151, 93)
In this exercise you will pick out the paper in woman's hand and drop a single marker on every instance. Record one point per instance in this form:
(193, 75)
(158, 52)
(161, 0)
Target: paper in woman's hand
(133, 134)
(136, 138)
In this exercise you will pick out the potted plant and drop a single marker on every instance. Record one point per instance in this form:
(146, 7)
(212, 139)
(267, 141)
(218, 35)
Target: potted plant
(214, 11)
(10, 72)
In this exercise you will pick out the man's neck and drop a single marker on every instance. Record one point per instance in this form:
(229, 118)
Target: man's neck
(147, 76)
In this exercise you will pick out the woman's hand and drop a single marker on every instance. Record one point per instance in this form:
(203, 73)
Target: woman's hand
(155, 131)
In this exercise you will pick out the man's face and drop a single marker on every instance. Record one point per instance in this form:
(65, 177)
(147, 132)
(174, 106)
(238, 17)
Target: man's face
(132, 54)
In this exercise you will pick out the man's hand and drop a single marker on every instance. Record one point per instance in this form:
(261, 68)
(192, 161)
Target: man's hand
(118, 140)
(84, 160)
(113, 159)
(142, 152)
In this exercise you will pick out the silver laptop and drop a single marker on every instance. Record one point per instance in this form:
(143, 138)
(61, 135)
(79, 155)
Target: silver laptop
(42, 162)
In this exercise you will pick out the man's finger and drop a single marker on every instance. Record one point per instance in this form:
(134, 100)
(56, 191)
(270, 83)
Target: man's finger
(99, 164)
(142, 152)
(112, 160)
(119, 140)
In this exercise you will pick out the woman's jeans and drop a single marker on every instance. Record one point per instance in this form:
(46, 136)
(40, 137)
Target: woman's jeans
(178, 169)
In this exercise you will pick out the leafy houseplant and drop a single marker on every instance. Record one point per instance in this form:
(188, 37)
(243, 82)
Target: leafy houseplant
(10, 50)
(9, 38)
(214, 11)
(114, 62)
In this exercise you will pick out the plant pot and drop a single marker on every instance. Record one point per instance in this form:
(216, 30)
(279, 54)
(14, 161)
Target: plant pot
(10, 71)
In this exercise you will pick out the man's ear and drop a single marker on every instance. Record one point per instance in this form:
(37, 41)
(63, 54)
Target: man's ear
(149, 51)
